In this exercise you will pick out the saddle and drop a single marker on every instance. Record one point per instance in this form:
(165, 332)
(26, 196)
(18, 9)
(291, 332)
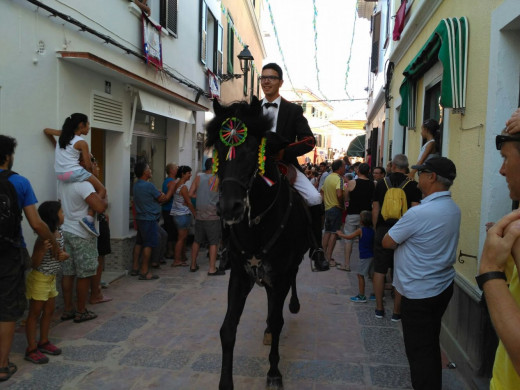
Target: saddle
(287, 170)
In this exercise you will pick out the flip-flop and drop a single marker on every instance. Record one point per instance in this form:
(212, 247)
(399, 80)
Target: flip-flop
(183, 264)
(218, 272)
(343, 268)
(145, 277)
(102, 300)
(194, 269)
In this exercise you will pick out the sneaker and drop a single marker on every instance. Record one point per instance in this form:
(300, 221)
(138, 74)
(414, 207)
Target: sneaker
(396, 317)
(380, 313)
(372, 297)
(49, 348)
(89, 227)
(36, 357)
(359, 298)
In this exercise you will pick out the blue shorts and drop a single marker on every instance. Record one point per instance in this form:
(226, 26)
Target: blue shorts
(333, 219)
(182, 221)
(148, 232)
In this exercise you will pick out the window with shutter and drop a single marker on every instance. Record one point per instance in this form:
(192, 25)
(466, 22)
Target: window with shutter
(230, 45)
(168, 17)
(220, 50)
(376, 24)
(203, 30)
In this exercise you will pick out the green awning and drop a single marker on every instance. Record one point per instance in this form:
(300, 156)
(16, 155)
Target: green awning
(356, 147)
(449, 45)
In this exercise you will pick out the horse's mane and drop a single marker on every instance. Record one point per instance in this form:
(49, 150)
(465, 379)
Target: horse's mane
(258, 124)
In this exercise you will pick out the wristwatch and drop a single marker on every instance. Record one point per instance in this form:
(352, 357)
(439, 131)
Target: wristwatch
(483, 278)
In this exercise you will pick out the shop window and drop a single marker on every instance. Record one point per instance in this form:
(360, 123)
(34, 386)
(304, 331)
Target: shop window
(148, 146)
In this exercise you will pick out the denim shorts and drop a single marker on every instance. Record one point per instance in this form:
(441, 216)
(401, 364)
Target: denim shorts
(333, 219)
(182, 221)
(148, 232)
(74, 176)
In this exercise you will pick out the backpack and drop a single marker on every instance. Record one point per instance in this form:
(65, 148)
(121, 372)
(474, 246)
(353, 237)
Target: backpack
(394, 203)
(10, 212)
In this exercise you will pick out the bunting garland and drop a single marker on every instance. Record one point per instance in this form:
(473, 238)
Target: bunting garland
(350, 52)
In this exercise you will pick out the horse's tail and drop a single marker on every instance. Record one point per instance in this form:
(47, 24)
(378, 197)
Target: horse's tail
(294, 303)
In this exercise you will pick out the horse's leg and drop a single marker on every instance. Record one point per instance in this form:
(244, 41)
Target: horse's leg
(267, 331)
(276, 298)
(238, 290)
(294, 303)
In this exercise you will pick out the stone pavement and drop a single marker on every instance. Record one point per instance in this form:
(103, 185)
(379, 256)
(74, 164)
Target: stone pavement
(164, 334)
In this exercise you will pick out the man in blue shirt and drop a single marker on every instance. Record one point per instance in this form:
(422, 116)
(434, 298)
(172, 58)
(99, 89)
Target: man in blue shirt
(425, 241)
(147, 201)
(12, 281)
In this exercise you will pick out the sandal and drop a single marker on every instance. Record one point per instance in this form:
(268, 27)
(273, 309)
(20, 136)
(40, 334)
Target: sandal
(151, 277)
(9, 371)
(194, 269)
(134, 272)
(85, 316)
(68, 315)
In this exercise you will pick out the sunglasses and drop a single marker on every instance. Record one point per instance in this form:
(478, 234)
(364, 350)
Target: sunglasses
(501, 138)
(269, 78)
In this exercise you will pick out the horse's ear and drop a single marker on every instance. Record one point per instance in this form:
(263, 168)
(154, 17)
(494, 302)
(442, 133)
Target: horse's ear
(217, 107)
(256, 105)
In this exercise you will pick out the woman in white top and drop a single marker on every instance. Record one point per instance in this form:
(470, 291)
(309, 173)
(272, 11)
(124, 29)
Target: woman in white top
(429, 132)
(182, 211)
(69, 149)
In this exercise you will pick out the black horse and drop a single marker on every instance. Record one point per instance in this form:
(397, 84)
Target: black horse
(266, 220)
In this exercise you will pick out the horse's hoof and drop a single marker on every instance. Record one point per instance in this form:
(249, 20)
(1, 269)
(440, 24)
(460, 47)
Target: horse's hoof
(274, 383)
(294, 306)
(268, 338)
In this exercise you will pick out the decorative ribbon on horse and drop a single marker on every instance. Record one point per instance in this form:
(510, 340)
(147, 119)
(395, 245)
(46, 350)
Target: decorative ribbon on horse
(233, 132)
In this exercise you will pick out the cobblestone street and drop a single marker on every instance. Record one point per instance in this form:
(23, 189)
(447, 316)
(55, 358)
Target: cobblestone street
(164, 334)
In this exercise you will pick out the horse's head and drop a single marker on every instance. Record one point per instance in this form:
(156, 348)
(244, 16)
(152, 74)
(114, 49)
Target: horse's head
(242, 144)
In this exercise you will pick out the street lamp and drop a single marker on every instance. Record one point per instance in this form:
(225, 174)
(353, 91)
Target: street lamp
(245, 58)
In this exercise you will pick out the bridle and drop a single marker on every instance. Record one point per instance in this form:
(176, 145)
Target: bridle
(256, 220)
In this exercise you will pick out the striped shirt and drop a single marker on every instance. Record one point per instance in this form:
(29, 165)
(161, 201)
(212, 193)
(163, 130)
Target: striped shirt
(49, 265)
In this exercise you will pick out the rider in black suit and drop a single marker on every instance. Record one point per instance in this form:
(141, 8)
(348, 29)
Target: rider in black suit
(290, 123)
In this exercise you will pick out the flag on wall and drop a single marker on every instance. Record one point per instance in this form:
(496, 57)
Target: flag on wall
(152, 46)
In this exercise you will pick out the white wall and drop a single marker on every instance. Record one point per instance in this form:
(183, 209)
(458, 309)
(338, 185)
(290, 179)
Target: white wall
(503, 95)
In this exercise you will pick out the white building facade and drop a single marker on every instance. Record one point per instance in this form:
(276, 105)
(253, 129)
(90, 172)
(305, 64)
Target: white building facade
(62, 57)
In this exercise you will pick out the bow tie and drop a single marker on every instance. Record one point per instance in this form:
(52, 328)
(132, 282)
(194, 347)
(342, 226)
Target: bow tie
(267, 105)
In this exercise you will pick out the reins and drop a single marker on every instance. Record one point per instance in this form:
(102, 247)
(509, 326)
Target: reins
(276, 235)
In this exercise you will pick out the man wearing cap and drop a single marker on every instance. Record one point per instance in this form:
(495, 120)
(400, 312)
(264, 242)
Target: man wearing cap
(425, 241)
(501, 252)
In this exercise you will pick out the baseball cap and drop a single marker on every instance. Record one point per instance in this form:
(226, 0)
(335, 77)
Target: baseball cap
(442, 166)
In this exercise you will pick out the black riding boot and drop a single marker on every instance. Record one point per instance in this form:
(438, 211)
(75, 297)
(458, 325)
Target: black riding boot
(316, 252)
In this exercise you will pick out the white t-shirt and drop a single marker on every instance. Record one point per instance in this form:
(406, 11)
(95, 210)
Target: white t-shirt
(67, 160)
(72, 196)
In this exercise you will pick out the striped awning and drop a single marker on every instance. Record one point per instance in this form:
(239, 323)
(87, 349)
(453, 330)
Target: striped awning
(449, 45)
